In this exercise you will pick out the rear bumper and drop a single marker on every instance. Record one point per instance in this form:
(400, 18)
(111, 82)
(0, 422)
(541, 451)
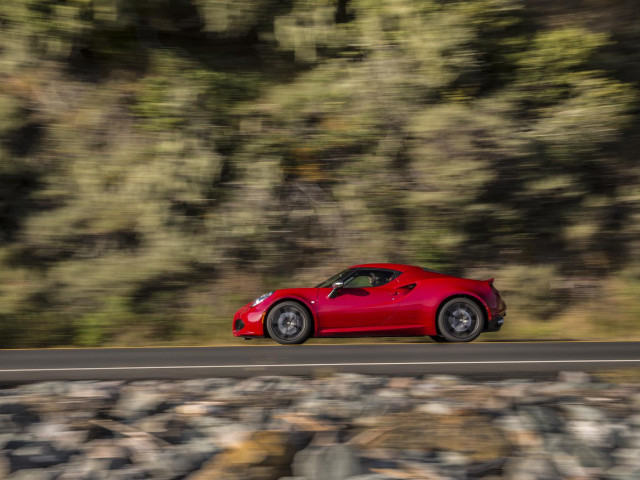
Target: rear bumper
(496, 315)
(495, 323)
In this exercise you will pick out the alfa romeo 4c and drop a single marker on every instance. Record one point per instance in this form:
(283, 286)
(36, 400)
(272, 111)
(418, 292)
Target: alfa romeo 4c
(380, 299)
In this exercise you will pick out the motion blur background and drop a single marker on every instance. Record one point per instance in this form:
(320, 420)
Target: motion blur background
(165, 161)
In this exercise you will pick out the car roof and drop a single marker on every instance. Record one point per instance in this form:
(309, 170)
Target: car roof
(390, 266)
(412, 271)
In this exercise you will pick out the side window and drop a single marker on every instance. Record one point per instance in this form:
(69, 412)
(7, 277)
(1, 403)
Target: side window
(371, 277)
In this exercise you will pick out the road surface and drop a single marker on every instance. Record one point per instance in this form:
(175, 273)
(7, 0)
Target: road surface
(476, 359)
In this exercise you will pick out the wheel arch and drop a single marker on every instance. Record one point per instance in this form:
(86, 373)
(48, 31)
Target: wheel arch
(288, 299)
(483, 308)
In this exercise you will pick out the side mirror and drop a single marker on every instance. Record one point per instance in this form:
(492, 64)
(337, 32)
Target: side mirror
(337, 286)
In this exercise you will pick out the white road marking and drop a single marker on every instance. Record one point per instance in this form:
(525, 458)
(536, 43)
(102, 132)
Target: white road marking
(300, 365)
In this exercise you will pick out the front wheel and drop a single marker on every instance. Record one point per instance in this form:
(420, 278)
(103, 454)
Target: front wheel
(437, 338)
(460, 320)
(289, 323)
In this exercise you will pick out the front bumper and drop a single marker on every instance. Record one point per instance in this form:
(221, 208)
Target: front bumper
(247, 322)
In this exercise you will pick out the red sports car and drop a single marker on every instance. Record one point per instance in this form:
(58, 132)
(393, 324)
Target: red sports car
(376, 299)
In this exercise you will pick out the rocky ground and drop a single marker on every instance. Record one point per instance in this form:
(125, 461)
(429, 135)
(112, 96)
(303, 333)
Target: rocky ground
(347, 426)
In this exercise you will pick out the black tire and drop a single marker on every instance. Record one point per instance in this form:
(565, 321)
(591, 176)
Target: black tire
(437, 338)
(289, 323)
(460, 320)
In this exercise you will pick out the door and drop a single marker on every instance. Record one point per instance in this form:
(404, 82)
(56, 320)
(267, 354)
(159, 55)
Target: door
(364, 303)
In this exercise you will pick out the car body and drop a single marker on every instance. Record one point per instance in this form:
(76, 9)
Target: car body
(377, 299)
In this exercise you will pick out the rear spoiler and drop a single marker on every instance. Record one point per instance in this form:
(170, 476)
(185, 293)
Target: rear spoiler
(489, 281)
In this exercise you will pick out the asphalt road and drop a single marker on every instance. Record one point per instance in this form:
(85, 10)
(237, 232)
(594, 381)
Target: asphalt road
(483, 359)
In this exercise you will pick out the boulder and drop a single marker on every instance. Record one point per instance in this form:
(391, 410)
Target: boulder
(264, 455)
(327, 462)
(34, 474)
(36, 455)
(472, 434)
(136, 402)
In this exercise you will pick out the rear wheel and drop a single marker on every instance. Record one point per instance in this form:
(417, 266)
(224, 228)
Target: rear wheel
(289, 323)
(460, 320)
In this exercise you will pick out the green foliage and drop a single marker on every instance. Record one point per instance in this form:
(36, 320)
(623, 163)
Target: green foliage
(163, 162)
(557, 52)
(44, 28)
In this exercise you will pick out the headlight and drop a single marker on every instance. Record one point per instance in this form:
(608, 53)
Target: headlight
(261, 299)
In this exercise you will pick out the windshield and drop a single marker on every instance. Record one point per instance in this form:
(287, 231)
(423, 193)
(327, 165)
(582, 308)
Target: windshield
(340, 276)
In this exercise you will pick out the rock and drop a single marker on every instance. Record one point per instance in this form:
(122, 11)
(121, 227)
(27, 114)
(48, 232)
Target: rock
(363, 428)
(424, 390)
(36, 455)
(166, 426)
(415, 470)
(337, 410)
(332, 462)
(435, 408)
(93, 390)
(629, 439)
(306, 423)
(107, 455)
(59, 434)
(265, 455)
(623, 472)
(142, 450)
(5, 466)
(453, 458)
(400, 382)
(257, 417)
(369, 476)
(136, 402)
(376, 459)
(584, 413)
(484, 469)
(533, 467)
(544, 418)
(591, 433)
(19, 414)
(231, 435)
(130, 472)
(521, 431)
(212, 428)
(568, 466)
(49, 389)
(387, 401)
(206, 384)
(174, 462)
(19, 440)
(574, 377)
(46, 429)
(634, 420)
(627, 456)
(34, 474)
(483, 441)
(587, 456)
(7, 425)
(197, 409)
(444, 380)
(69, 440)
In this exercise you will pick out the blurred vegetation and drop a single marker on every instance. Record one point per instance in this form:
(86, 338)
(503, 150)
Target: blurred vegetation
(163, 162)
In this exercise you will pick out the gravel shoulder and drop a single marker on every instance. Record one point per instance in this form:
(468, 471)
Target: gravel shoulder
(339, 427)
